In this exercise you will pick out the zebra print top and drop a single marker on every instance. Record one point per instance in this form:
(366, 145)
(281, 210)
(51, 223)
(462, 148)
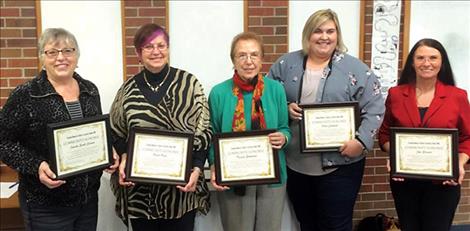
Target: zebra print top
(184, 108)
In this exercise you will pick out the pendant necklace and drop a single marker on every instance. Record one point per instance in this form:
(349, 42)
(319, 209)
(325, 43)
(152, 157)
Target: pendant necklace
(155, 89)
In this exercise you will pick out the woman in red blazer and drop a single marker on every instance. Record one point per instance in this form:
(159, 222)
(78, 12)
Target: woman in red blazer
(426, 96)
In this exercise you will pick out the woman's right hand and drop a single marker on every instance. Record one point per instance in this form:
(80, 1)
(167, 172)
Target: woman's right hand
(46, 176)
(389, 169)
(295, 112)
(122, 174)
(214, 183)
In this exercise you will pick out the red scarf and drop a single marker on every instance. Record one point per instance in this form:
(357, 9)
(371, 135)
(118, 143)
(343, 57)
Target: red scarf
(257, 116)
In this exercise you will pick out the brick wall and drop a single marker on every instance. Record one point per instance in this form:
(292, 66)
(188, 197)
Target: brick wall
(136, 14)
(270, 20)
(18, 41)
(374, 195)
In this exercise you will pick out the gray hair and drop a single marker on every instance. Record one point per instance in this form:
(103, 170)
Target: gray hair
(55, 35)
(314, 22)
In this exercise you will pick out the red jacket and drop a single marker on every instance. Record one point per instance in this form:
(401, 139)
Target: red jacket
(449, 109)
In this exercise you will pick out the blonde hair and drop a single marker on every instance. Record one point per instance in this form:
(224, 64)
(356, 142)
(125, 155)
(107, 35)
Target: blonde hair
(314, 22)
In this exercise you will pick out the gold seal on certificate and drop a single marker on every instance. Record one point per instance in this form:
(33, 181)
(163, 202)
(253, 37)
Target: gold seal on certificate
(79, 146)
(245, 158)
(159, 157)
(424, 153)
(325, 127)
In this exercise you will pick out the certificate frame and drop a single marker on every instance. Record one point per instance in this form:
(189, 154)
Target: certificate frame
(420, 137)
(182, 144)
(77, 140)
(223, 142)
(307, 142)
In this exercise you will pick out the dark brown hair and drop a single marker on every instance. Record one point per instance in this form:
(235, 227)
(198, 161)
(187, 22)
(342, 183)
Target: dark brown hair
(445, 75)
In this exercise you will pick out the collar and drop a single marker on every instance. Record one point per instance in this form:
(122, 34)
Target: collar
(335, 58)
(41, 87)
(440, 94)
(156, 78)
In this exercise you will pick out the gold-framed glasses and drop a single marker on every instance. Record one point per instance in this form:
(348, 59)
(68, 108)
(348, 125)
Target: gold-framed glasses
(66, 52)
(150, 47)
(244, 57)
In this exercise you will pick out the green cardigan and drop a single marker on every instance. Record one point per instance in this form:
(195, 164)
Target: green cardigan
(222, 104)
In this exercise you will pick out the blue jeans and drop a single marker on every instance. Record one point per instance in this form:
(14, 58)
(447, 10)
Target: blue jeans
(52, 218)
(325, 202)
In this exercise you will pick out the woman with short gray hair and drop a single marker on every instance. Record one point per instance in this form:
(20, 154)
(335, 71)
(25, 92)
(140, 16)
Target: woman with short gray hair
(56, 94)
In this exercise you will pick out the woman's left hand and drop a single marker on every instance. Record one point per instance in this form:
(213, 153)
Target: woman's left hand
(277, 139)
(351, 148)
(111, 169)
(191, 185)
(463, 159)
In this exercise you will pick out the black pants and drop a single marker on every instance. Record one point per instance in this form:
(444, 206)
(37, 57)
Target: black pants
(53, 218)
(424, 205)
(185, 223)
(325, 202)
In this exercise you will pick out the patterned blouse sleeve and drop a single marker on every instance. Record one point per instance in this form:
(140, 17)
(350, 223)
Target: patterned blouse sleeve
(203, 132)
(371, 106)
(118, 122)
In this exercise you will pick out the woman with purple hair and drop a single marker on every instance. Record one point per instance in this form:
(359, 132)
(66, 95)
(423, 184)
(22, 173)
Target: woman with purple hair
(166, 98)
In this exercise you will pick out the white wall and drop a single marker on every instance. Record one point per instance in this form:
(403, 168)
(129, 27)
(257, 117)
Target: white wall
(449, 23)
(97, 27)
(200, 36)
(349, 19)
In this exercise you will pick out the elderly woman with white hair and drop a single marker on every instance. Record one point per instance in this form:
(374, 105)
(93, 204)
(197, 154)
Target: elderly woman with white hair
(56, 94)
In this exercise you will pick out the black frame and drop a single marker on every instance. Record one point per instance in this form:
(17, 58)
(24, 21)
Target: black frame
(305, 107)
(52, 127)
(241, 135)
(156, 180)
(441, 131)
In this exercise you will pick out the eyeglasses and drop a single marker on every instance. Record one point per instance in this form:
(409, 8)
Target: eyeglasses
(244, 57)
(150, 47)
(66, 52)
(430, 59)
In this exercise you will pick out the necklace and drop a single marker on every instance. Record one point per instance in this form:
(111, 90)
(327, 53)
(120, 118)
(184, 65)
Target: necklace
(155, 89)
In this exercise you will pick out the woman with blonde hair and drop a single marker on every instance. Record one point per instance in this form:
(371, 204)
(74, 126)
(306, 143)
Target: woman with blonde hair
(323, 186)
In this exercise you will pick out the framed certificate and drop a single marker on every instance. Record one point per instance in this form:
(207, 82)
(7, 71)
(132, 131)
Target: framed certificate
(159, 157)
(245, 158)
(325, 127)
(78, 146)
(424, 153)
